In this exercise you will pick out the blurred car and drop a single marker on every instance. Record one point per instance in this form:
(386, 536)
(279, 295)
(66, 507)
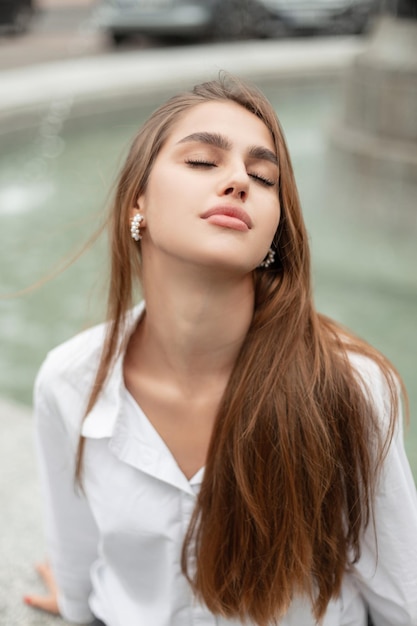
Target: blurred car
(166, 18)
(15, 16)
(184, 19)
(328, 16)
(230, 19)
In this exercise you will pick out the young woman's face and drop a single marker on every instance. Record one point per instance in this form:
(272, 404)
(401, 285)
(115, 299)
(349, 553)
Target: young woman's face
(212, 196)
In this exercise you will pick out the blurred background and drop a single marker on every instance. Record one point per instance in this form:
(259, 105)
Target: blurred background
(77, 78)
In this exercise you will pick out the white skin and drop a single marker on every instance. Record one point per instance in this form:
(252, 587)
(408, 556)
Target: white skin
(197, 275)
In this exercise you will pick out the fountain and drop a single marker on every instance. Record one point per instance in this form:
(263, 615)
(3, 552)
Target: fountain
(377, 137)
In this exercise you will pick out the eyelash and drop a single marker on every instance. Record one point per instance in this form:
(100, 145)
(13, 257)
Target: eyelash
(264, 181)
(200, 163)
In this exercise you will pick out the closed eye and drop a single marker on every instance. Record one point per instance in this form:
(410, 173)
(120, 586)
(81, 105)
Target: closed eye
(203, 163)
(200, 163)
(262, 179)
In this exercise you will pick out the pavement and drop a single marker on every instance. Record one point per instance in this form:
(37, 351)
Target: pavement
(21, 535)
(62, 57)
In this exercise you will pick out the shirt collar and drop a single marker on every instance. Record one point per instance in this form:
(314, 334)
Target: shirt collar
(106, 420)
(135, 441)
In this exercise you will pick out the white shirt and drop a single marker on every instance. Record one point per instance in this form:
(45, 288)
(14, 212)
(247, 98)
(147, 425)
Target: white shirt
(115, 550)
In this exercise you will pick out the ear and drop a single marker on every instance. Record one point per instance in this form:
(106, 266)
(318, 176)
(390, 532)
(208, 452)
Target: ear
(133, 211)
(137, 209)
(141, 203)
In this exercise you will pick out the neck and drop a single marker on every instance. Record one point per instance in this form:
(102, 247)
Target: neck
(195, 322)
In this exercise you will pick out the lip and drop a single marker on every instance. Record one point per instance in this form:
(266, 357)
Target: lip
(229, 211)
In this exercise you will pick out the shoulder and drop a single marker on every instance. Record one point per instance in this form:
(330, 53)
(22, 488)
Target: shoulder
(75, 356)
(366, 369)
(380, 383)
(68, 371)
(66, 376)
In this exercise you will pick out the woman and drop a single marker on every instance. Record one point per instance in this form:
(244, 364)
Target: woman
(241, 456)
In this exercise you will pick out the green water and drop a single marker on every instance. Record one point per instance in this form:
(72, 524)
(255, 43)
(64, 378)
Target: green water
(364, 268)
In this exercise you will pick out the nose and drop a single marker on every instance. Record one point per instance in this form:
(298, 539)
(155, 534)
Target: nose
(236, 184)
(236, 192)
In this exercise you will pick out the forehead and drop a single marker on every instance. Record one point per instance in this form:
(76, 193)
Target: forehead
(226, 118)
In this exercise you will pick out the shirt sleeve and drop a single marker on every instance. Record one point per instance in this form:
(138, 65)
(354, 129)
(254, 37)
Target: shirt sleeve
(386, 572)
(71, 532)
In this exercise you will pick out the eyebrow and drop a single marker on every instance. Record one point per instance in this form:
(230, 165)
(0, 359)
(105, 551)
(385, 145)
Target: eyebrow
(219, 141)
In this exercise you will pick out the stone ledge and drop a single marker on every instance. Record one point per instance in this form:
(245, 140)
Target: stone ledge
(97, 81)
(379, 152)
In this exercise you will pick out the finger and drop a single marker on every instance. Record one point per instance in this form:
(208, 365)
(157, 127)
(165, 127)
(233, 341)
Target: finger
(45, 603)
(47, 576)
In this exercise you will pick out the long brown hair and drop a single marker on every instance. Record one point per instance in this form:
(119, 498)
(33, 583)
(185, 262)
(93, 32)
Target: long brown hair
(297, 443)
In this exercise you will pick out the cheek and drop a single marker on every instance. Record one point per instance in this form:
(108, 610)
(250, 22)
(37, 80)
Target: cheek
(274, 216)
(164, 191)
(163, 210)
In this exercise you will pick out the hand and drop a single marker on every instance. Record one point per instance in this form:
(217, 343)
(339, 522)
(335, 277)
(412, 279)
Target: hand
(48, 602)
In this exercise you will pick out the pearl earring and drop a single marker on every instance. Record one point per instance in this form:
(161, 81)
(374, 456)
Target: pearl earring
(268, 260)
(135, 227)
